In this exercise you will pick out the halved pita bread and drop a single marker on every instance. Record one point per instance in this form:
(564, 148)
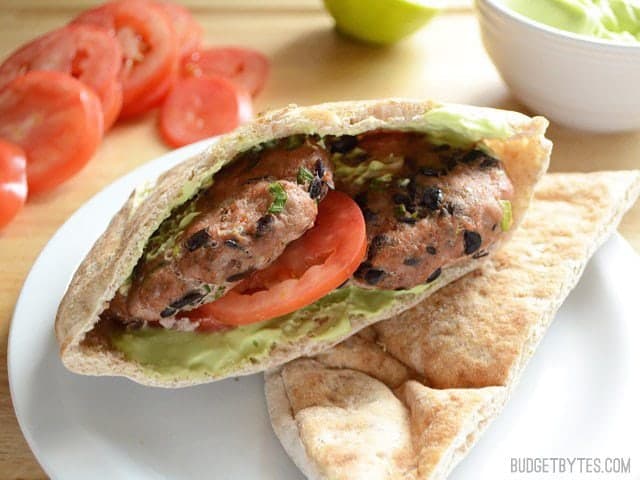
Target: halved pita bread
(407, 397)
(524, 152)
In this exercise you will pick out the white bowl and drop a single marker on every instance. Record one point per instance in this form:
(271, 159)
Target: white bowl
(578, 81)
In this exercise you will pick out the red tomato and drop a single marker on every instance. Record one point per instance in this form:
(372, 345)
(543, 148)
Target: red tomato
(188, 32)
(111, 105)
(13, 181)
(56, 119)
(201, 107)
(149, 47)
(85, 52)
(248, 69)
(309, 268)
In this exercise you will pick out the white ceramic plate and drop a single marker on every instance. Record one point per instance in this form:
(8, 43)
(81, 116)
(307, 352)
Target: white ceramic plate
(579, 396)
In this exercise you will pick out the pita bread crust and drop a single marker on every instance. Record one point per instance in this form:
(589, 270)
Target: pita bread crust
(445, 423)
(350, 424)
(469, 343)
(111, 260)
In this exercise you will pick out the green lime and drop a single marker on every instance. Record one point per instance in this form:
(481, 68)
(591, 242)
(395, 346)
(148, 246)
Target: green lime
(381, 21)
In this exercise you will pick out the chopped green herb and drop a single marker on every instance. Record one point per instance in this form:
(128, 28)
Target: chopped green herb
(403, 182)
(279, 195)
(507, 215)
(256, 343)
(304, 175)
(401, 212)
(381, 182)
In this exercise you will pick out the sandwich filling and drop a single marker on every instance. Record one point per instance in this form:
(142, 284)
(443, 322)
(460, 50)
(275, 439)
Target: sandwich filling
(425, 207)
(426, 202)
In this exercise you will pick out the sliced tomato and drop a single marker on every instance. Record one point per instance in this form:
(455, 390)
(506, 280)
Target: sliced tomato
(112, 105)
(13, 181)
(85, 52)
(309, 268)
(189, 33)
(201, 107)
(56, 119)
(149, 48)
(247, 68)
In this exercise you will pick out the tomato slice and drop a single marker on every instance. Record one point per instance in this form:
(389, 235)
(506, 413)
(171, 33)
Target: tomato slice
(13, 181)
(189, 33)
(202, 107)
(248, 69)
(149, 48)
(309, 268)
(111, 105)
(56, 119)
(85, 52)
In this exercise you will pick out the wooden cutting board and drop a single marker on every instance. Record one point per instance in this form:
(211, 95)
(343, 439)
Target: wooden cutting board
(310, 64)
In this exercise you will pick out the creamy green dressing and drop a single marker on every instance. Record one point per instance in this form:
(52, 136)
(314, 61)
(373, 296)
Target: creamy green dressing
(617, 20)
(459, 127)
(195, 354)
(171, 352)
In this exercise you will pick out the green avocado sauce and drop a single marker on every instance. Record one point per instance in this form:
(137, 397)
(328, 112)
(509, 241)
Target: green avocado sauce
(171, 352)
(196, 354)
(617, 20)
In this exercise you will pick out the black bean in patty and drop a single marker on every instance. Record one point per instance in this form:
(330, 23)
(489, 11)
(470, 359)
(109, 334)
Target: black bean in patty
(434, 275)
(264, 224)
(315, 189)
(239, 276)
(197, 240)
(432, 198)
(411, 261)
(188, 299)
(373, 276)
(472, 241)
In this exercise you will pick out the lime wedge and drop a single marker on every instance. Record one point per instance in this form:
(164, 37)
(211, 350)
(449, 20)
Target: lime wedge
(381, 22)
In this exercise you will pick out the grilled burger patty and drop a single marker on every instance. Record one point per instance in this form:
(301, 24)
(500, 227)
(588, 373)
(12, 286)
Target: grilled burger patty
(426, 206)
(438, 206)
(240, 224)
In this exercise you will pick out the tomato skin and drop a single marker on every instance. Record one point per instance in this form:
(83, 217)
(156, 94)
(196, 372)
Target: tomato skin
(149, 48)
(246, 68)
(309, 268)
(202, 107)
(85, 52)
(56, 119)
(189, 32)
(13, 181)
(112, 105)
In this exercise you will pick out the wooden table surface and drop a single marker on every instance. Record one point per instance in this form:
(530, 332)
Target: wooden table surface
(310, 64)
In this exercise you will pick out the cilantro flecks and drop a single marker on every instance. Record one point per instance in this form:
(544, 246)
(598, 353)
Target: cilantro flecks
(304, 175)
(279, 195)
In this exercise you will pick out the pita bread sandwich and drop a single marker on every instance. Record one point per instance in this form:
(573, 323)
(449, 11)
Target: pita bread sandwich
(408, 397)
(294, 232)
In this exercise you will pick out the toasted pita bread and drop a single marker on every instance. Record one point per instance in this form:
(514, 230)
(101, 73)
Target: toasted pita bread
(407, 397)
(524, 153)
